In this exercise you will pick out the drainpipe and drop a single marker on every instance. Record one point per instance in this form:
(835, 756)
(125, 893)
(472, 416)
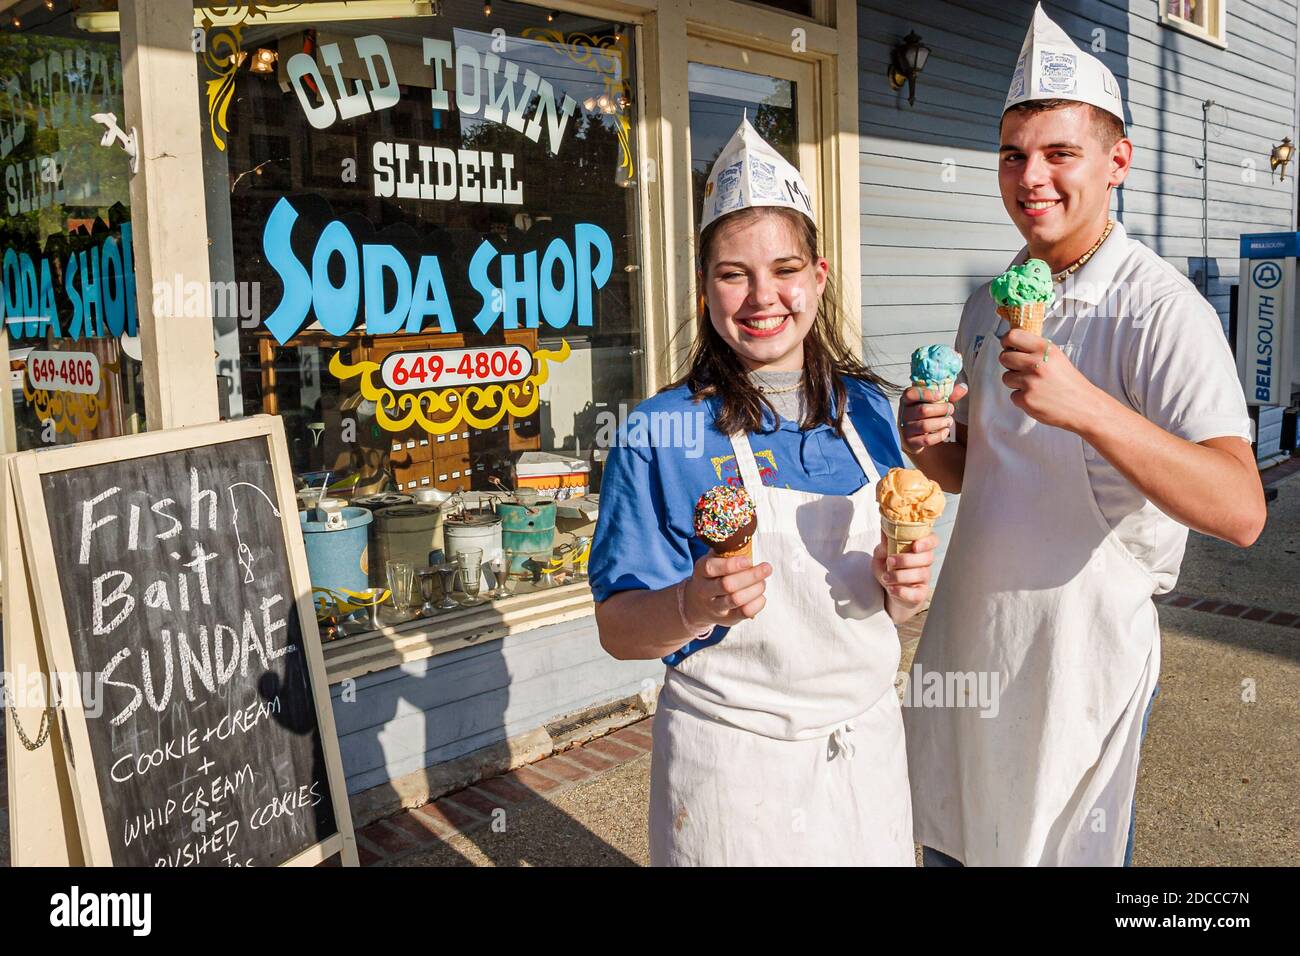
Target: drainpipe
(1205, 197)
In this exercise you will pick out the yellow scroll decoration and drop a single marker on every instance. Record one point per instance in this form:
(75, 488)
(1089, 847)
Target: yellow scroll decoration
(224, 54)
(608, 57)
(222, 89)
(398, 411)
(71, 412)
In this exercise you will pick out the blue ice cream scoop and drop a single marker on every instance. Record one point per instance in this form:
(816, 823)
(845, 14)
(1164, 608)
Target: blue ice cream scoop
(936, 367)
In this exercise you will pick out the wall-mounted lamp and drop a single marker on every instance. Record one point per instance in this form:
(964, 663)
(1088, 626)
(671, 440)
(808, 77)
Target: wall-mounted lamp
(906, 62)
(264, 60)
(1282, 154)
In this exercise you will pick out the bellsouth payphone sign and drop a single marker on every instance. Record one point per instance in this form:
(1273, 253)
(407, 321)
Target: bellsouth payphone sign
(1266, 316)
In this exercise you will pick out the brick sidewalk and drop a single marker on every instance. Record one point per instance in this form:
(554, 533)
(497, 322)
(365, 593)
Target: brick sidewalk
(465, 811)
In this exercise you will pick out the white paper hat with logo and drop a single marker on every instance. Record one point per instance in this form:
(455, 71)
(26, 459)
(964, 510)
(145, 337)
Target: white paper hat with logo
(1052, 67)
(749, 172)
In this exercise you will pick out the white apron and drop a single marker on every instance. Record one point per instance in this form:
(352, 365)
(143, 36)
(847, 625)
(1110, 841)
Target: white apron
(1038, 591)
(783, 743)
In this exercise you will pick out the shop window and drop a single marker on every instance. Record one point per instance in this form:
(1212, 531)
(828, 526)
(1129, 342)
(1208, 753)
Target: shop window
(1204, 19)
(427, 229)
(69, 298)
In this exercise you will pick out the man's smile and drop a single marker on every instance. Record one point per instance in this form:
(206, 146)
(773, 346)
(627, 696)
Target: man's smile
(1038, 207)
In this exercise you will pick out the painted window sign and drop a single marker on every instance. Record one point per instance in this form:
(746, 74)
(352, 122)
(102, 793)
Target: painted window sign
(494, 87)
(441, 215)
(344, 283)
(449, 368)
(76, 372)
(554, 283)
(88, 293)
(57, 183)
(495, 92)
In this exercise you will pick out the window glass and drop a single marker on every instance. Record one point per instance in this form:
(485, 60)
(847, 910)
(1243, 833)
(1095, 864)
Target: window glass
(69, 300)
(1193, 11)
(802, 7)
(719, 98)
(425, 234)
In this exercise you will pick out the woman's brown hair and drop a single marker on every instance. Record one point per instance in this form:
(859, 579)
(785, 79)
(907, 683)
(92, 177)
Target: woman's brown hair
(714, 369)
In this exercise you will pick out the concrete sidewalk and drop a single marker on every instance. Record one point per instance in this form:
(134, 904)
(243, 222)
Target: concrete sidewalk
(1219, 783)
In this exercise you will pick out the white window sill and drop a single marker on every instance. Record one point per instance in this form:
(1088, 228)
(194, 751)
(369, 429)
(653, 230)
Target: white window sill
(415, 640)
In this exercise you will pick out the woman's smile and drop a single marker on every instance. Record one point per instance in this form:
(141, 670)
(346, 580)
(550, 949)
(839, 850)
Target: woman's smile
(766, 326)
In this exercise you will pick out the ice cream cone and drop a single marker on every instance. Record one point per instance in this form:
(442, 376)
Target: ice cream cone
(746, 550)
(1028, 316)
(901, 534)
(943, 390)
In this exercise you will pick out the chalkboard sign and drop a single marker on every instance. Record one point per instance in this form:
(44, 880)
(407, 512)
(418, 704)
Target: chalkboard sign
(174, 600)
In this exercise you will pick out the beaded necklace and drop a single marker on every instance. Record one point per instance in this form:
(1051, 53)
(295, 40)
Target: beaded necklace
(1078, 263)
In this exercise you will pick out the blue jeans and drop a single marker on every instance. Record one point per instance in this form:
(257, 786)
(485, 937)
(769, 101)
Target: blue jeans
(932, 857)
(1132, 817)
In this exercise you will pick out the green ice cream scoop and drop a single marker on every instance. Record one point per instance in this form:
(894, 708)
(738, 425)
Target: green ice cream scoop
(1023, 284)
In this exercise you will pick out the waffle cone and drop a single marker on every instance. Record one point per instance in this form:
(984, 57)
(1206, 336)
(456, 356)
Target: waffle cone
(746, 550)
(942, 389)
(901, 534)
(1028, 317)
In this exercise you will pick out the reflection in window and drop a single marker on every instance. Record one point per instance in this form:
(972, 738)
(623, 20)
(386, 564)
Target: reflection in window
(69, 297)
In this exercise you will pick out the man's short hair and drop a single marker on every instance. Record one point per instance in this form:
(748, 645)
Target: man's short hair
(1108, 127)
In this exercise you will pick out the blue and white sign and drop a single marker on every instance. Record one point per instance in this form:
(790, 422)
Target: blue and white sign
(1268, 349)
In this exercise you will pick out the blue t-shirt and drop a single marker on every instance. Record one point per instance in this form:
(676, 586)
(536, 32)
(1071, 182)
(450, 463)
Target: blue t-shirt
(669, 453)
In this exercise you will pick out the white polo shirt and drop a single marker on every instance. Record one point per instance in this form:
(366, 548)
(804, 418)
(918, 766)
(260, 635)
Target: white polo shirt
(1154, 343)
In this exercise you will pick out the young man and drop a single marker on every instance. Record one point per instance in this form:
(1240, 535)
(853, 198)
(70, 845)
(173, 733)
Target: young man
(1082, 456)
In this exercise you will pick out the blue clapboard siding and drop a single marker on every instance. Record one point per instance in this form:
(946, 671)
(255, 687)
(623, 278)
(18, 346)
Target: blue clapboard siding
(933, 227)
(1269, 438)
(430, 711)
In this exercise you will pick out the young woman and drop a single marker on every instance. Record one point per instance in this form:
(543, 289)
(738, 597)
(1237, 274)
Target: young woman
(778, 737)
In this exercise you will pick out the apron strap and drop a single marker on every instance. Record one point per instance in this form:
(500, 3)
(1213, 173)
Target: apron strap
(858, 448)
(745, 463)
(748, 467)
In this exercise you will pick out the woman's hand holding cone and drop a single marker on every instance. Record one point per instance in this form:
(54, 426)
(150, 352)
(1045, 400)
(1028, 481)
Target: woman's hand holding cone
(725, 591)
(905, 577)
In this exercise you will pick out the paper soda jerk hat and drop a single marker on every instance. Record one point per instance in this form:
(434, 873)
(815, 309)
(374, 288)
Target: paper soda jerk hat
(1052, 67)
(749, 172)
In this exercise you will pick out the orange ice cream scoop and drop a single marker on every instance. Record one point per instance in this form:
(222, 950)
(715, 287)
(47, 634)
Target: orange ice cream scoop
(905, 494)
